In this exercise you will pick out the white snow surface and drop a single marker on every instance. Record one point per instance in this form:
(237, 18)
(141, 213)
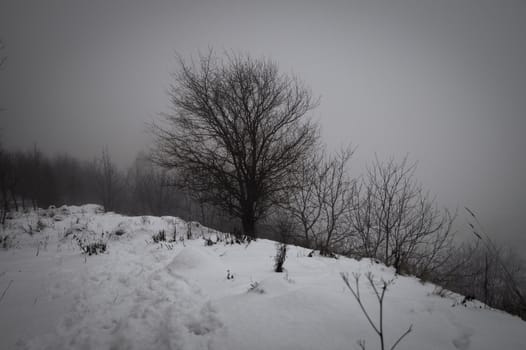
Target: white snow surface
(145, 295)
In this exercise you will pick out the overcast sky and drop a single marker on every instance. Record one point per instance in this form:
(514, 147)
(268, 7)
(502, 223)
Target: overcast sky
(442, 81)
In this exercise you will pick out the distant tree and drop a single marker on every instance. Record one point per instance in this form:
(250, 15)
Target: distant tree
(36, 182)
(109, 181)
(7, 182)
(150, 187)
(498, 276)
(68, 174)
(236, 131)
(3, 58)
(32, 170)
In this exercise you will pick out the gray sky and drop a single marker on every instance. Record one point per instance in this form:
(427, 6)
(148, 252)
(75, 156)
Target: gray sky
(443, 81)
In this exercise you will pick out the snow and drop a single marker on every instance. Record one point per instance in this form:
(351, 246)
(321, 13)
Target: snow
(176, 295)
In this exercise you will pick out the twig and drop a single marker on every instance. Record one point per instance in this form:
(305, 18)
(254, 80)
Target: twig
(402, 336)
(358, 299)
(380, 297)
(5, 290)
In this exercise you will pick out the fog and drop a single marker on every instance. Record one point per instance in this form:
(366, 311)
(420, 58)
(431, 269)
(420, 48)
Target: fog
(440, 81)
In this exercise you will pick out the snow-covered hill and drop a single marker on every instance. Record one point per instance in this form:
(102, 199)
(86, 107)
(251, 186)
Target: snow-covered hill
(139, 294)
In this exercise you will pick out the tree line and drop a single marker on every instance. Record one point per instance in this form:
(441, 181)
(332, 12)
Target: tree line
(30, 180)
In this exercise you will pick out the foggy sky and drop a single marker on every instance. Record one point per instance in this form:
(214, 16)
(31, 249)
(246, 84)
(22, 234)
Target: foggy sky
(441, 81)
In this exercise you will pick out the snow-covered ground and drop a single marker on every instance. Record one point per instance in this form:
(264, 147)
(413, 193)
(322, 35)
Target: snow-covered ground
(145, 295)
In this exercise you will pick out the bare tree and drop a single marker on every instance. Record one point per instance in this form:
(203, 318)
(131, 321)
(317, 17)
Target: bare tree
(500, 280)
(236, 131)
(3, 58)
(35, 178)
(398, 223)
(7, 179)
(149, 187)
(69, 174)
(304, 199)
(337, 200)
(109, 181)
(320, 198)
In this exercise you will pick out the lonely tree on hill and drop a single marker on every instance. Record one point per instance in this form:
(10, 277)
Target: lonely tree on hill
(236, 130)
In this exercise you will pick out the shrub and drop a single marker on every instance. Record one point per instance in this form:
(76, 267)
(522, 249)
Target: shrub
(159, 237)
(41, 225)
(92, 248)
(281, 255)
(119, 232)
(255, 287)
(6, 242)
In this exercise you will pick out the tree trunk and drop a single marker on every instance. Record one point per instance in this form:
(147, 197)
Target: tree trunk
(486, 284)
(5, 204)
(13, 197)
(249, 225)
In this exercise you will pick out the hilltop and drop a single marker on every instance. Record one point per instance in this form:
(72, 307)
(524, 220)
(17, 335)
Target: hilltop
(138, 291)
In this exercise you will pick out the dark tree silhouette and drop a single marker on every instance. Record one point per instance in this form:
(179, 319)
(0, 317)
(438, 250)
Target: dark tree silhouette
(397, 221)
(7, 182)
(236, 130)
(109, 180)
(320, 197)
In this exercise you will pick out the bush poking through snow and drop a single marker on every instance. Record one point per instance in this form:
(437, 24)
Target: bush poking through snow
(281, 255)
(6, 242)
(41, 225)
(380, 294)
(208, 242)
(441, 292)
(92, 248)
(235, 238)
(159, 237)
(256, 288)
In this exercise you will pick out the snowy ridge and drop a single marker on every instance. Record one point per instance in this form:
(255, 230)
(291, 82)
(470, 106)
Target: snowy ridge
(176, 295)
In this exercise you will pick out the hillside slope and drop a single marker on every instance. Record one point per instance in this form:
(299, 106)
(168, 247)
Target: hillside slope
(139, 294)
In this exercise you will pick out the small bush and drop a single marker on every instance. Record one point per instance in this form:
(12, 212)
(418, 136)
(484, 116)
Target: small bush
(281, 255)
(159, 237)
(145, 220)
(441, 292)
(41, 225)
(209, 242)
(6, 242)
(119, 232)
(92, 248)
(256, 288)
(236, 238)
